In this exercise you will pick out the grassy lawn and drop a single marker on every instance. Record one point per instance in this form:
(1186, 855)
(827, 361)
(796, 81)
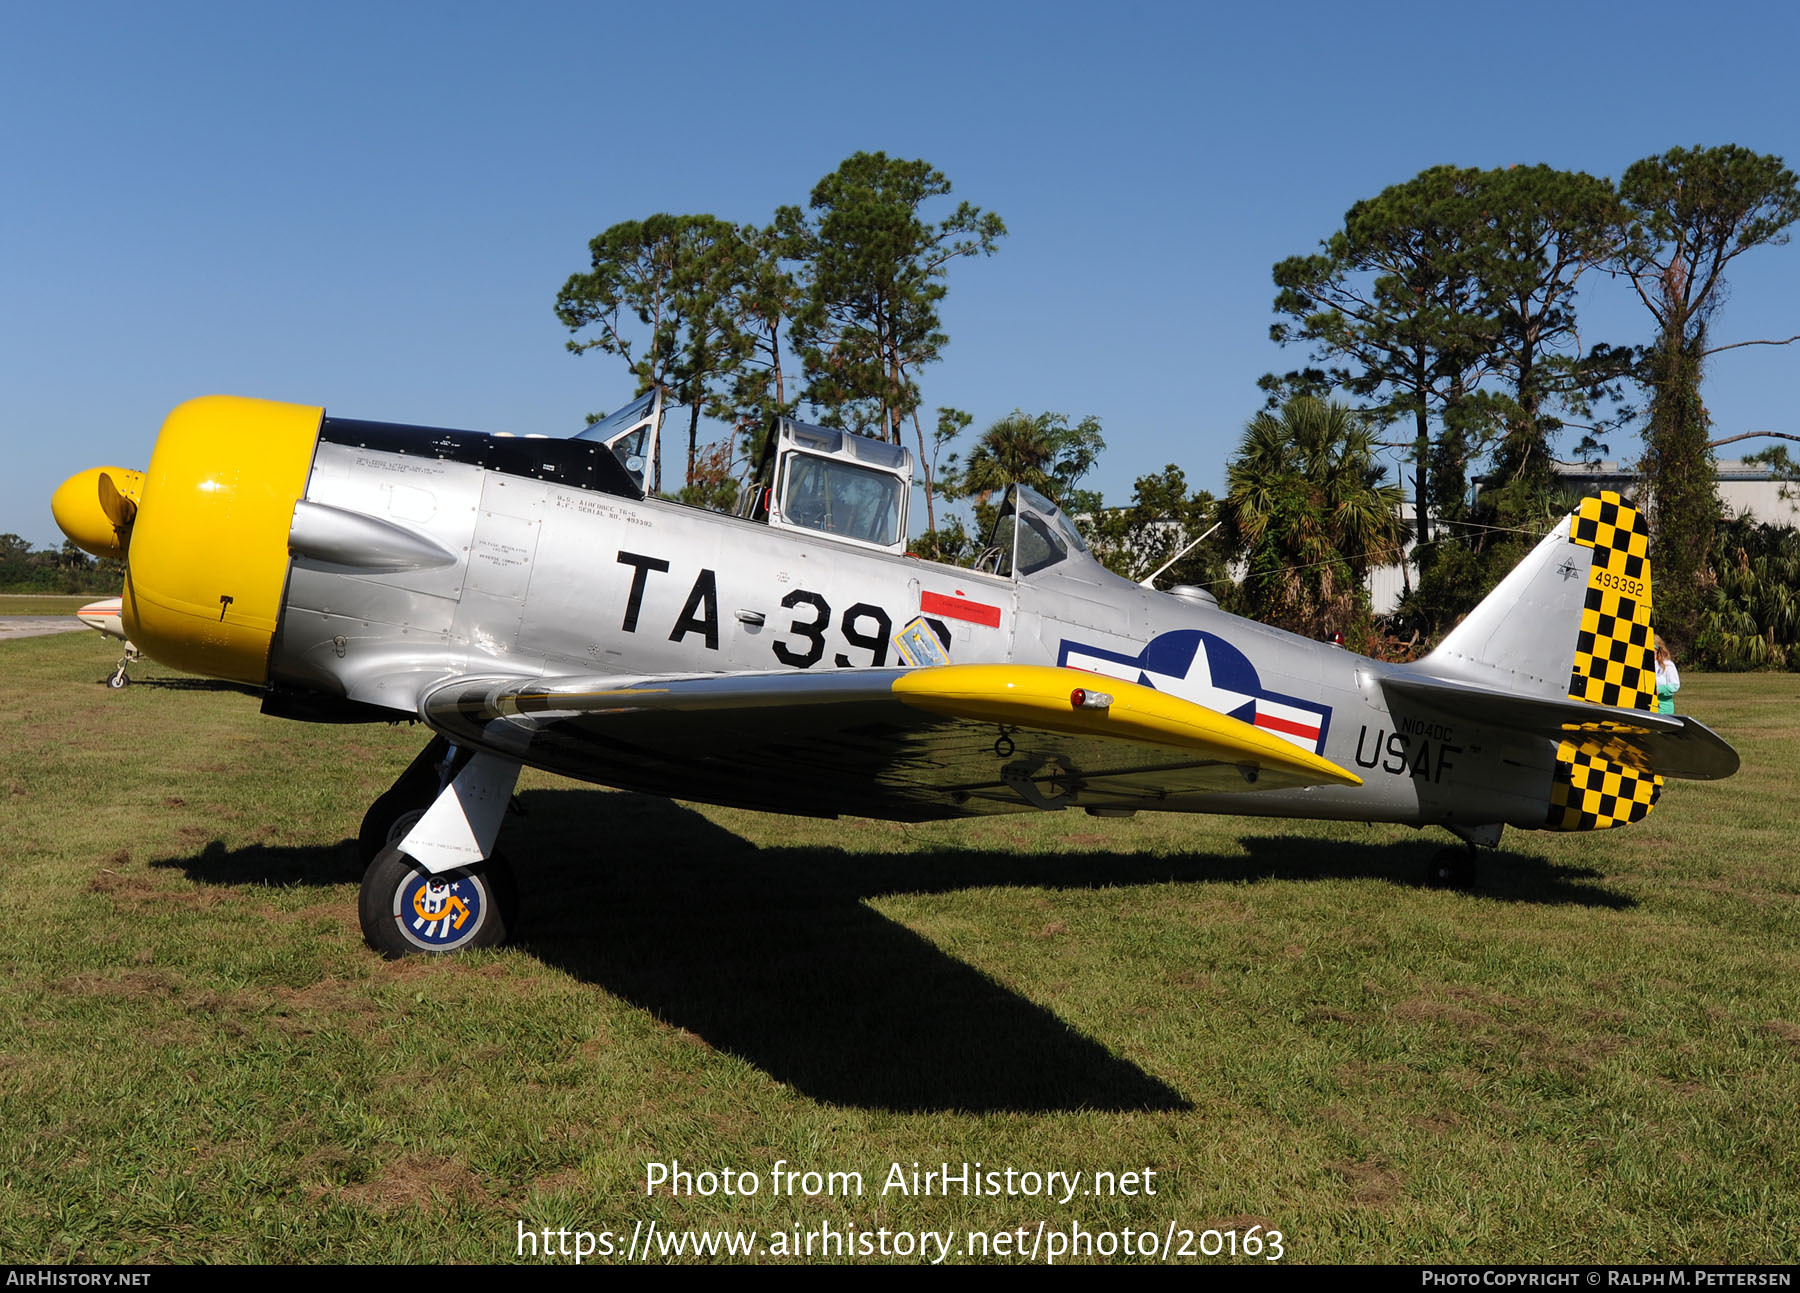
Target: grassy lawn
(1595, 1058)
(45, 603)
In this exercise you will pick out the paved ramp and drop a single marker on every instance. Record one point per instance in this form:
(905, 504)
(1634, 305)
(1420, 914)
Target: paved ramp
(36, 626)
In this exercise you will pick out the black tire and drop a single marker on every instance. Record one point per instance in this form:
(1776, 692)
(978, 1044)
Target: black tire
(407, 911)
(399, 810)
(1451, 869)
(382, 827)
(118, 681)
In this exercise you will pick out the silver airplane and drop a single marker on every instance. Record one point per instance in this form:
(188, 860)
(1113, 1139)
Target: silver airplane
(530, 602)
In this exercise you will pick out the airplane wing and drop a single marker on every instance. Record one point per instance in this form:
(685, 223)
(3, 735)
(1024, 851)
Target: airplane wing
(1668, 746)
(919, 744)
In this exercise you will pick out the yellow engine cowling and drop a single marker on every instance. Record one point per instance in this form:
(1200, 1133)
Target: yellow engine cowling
(207, 545)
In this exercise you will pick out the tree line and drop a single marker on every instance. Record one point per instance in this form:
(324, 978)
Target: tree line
(849, 285)
(1446, 306)
(24, 569)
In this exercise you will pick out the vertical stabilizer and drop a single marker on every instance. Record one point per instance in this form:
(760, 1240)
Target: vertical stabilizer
(1573, 619)
(1522, 636)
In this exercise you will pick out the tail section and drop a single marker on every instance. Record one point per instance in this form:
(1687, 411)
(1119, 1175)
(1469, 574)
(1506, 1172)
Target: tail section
(1573, 619)
(1615, 664)
(1615, 659)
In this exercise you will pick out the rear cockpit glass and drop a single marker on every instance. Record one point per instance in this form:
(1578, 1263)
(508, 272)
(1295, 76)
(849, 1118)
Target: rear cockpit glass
(1030, 534)
(836, 497)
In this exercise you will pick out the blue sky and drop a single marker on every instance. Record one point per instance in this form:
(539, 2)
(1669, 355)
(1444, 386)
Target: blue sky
(372, 206)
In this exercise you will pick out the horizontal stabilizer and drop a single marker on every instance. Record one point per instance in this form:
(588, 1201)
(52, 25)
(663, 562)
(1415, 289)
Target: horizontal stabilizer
(1659, 744)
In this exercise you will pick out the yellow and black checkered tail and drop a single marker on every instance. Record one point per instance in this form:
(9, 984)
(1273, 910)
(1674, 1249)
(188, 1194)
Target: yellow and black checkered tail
(1615, 664)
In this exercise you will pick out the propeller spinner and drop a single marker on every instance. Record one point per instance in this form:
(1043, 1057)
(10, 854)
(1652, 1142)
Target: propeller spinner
(96, 509)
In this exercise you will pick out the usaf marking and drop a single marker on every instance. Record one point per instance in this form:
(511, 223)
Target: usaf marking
(1400, 760)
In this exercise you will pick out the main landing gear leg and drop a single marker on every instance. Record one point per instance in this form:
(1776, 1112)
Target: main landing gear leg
(394, 814)
(1455, 868)
(404, 907)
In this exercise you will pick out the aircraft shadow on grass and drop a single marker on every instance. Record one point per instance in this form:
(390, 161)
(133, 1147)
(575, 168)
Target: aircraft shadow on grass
(184, 683)
(773, 954)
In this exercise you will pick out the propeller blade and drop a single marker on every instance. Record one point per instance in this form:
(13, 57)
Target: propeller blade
(120, 510)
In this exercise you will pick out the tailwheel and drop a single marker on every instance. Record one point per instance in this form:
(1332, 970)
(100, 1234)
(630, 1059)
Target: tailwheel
(1451, 868)
(405, 910)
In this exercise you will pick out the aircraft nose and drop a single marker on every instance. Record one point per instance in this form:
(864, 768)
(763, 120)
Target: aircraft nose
(209, 546)
(102, 615)
(96, 508)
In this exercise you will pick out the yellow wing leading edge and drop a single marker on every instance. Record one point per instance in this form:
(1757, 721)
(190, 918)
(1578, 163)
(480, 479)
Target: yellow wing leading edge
(1038, 697)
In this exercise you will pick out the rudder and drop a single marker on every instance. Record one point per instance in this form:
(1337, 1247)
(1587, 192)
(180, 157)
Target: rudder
(1615, 664)
(1615, 659)
(1572, 620)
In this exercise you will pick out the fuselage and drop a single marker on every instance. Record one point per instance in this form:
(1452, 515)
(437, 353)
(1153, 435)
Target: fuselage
(522, 569)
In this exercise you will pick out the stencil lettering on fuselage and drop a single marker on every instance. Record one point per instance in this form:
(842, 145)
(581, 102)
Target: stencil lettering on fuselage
(1207, 670)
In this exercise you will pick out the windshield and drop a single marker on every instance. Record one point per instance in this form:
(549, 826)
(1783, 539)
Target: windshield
(1030, 534)
(630, 433)
(836, 497)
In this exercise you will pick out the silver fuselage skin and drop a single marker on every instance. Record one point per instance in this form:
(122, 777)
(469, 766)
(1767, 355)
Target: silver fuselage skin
(544, 579)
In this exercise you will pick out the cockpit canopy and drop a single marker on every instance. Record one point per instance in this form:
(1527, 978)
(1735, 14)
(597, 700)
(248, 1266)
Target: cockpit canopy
(853, 488)
(1030, 534)
(850, 487)
(831, 482)
(631, 434)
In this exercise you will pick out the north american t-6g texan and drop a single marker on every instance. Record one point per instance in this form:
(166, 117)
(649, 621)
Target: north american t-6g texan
(532, 603)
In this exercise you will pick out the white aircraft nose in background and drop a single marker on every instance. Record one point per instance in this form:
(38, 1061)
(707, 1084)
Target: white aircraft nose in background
(103, 615)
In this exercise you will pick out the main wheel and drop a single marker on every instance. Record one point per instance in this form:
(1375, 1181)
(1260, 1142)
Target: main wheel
(405, 910)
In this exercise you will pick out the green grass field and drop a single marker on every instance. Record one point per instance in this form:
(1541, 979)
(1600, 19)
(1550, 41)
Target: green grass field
(1595, 1058)
(45, 603)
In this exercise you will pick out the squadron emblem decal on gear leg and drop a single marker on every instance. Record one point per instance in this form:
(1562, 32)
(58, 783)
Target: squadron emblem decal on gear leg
(436, 912)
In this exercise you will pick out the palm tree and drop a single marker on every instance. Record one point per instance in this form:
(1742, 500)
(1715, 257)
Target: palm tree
(1040, 450)
(1309, 512)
